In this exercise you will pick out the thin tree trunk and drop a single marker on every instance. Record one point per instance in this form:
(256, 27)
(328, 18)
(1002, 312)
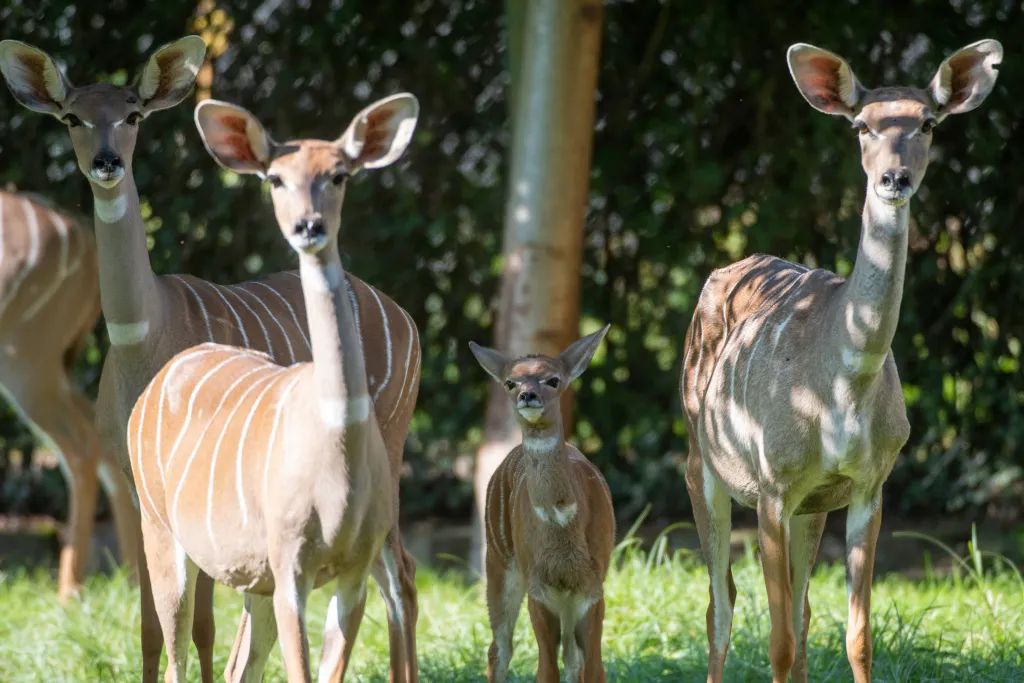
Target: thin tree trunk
(555, 61)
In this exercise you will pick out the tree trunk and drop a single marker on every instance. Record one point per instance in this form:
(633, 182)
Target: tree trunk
(553, 53)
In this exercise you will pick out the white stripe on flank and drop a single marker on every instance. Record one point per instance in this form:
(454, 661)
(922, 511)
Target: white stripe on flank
(284, 332)
(202, 306)
(238, 455)
(127, 334)
(488, 508)
(62, 272)
(501, 513)
(234, 313)
(213, 459)
(273, 430)
(266, 335)
(191, 404)
(291, 310)
(160, 405)
(408, 360)
(139, 463)
(24, 269)
(224, 397)
(33, 231)
(387, 339)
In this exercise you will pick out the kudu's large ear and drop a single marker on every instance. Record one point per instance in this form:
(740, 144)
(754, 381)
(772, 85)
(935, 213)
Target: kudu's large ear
(379, 134)
(824, 79)
(234, 137)
(170, 73)
(491, 360)
(579, 354)
(966, 77)
(33, 77)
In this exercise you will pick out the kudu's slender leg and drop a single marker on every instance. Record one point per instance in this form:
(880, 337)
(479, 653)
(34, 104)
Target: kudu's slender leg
(712, 510)
(863, 521)
(773, 538)
(804, 537)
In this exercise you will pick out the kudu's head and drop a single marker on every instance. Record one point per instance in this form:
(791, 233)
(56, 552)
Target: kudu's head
(895, 124)
(535, 383)
(308, 177)
(103, 119)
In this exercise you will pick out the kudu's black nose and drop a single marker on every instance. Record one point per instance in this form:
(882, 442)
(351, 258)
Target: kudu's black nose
(528, 397)
(106, 162)
(310, 227)
(897, 179)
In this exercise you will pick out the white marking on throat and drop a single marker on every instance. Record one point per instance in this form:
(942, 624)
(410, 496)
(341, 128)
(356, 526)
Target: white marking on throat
(337, 413)
(127, 334)
(540, 445)
(110, 210)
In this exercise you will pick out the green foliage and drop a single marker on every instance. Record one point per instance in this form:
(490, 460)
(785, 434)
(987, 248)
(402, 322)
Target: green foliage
(940, 629)
(704, 152)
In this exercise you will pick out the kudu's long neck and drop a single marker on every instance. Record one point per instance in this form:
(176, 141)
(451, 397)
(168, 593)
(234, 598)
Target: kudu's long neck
(338, 362)
(128, 288)
(870, 301)
(548, 472)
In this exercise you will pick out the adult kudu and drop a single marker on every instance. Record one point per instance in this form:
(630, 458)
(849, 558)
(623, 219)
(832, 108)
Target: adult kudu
(149, 318)
(789, 386)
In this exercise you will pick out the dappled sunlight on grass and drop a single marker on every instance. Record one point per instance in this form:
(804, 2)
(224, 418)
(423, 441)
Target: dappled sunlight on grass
(962, 628)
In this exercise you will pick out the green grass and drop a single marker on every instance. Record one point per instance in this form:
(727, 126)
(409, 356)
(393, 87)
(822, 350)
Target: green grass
(968, 627)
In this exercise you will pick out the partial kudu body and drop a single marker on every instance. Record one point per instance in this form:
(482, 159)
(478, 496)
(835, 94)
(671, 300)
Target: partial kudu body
(49, 305)
(149, 318)
(550, 526)
(789, 387)
(275, 479)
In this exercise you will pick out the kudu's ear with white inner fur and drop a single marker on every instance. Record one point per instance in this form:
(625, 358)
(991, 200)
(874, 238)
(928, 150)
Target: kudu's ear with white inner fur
(168, 76)
(579, 354)
(491, 360)
(824, 79)
(33, 77)
(380, 133)
(234, 137)
(966, 77)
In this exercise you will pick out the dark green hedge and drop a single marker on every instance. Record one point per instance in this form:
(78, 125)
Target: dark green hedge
(704, 152)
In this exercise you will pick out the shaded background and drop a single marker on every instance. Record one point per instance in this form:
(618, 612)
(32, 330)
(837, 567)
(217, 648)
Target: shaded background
(703, 152)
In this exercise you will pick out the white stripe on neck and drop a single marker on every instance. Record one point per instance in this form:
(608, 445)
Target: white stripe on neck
(110, 210)
(540, 445)
(337, 413)
(126, 334)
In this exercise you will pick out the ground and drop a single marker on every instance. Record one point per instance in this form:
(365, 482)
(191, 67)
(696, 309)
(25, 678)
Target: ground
(963, 627)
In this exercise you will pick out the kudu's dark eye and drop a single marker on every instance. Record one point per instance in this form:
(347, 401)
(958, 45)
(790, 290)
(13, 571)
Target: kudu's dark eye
(340, 177)
(860, 127)
(133, 118)
(928, 126)
(72, 120)
(553, 382)
(509, 385)
(275, 181)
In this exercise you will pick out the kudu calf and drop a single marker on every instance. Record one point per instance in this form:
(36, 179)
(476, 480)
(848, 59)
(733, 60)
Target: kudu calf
(275, 479)
(550, 526)
(789, 386)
